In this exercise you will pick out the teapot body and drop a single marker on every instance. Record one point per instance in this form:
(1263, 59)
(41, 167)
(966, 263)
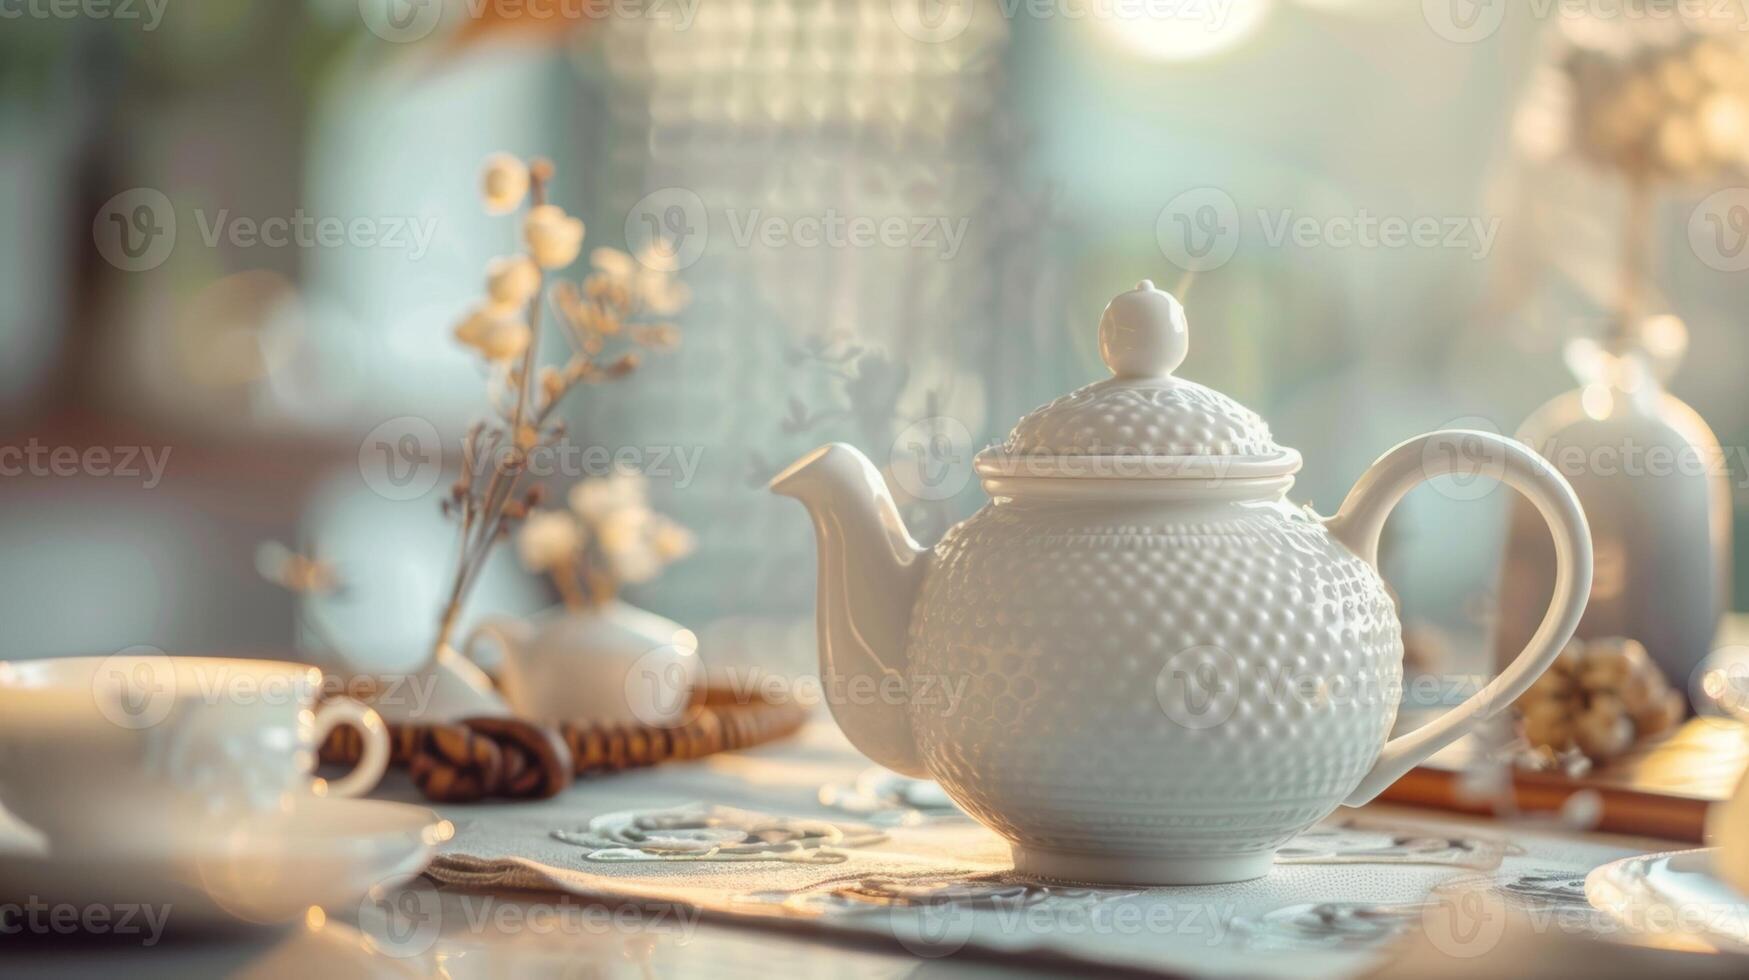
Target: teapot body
(1183, 683)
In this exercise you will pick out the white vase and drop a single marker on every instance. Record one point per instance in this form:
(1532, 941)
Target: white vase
(609, 664)
(1651, 477)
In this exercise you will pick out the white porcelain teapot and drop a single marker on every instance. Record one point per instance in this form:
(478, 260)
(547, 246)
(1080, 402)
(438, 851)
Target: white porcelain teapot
(1139, 663)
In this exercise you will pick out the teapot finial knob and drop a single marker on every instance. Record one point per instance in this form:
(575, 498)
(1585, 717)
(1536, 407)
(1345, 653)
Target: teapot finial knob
(1143, 333)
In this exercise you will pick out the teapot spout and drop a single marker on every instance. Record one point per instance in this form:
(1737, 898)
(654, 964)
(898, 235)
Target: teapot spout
(870, 571)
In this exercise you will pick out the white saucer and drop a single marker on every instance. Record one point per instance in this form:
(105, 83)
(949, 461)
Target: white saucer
(267, 870)
(1673, 900)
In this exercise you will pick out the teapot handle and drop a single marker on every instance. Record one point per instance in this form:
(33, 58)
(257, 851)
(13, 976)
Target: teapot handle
(1479, 455)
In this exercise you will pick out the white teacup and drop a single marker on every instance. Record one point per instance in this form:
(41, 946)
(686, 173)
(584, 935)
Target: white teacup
(96, 747)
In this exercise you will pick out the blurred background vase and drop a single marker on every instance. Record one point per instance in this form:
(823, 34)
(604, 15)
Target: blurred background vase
(1653, 480)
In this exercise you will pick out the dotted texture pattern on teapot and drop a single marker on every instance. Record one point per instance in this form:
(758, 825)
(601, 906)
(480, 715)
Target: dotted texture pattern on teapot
(1168, 417)
(1180, 681)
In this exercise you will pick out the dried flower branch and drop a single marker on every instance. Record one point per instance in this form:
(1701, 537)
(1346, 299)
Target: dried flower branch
(294, 572)
(610, 536)
(1654, 104)
(606, 321)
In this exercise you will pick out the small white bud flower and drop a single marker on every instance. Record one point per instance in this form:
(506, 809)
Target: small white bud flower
(504, 183)
(554, 238)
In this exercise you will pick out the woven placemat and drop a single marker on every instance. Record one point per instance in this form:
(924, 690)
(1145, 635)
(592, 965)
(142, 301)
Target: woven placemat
(478, 758)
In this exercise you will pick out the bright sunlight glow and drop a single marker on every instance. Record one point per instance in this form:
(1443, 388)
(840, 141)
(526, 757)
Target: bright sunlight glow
(1171, 31)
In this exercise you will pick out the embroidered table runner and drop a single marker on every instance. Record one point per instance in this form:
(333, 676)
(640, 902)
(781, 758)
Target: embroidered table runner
(805, 833)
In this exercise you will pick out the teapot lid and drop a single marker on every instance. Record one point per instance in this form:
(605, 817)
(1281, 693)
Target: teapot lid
(1141, 423)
